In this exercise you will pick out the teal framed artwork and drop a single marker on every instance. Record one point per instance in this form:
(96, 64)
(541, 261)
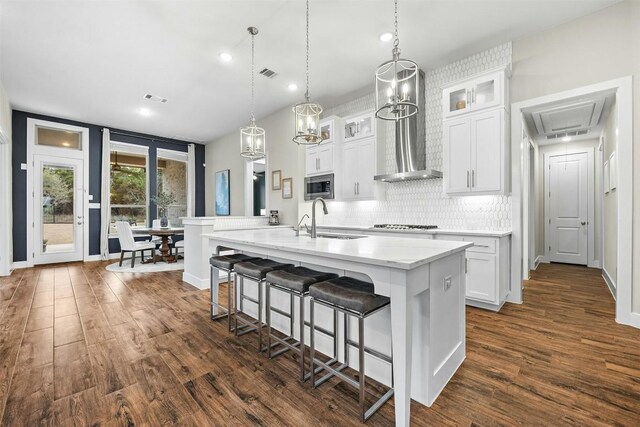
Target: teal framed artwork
(223, 202)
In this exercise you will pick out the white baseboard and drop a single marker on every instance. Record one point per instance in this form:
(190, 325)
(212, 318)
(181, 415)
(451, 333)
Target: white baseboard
(594, 264)
(195, 281)
(537, 262)
(611, 284)
(19, 264)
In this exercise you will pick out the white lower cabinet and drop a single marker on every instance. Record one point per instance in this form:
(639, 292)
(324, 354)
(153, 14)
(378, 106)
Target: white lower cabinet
(488, 265)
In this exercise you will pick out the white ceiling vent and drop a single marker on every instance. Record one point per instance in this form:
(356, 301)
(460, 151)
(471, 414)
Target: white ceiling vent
(568, 118)
(563, 134)
(155, 98)
(268, 73)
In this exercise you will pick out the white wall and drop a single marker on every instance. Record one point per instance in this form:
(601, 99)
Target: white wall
(598, 47)
(6, 245)
(282, 154)
(611, 202)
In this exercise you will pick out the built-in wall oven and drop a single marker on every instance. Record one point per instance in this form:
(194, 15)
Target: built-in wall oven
(319, 186)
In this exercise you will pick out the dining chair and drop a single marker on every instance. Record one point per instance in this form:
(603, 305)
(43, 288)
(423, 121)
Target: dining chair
(128, 244)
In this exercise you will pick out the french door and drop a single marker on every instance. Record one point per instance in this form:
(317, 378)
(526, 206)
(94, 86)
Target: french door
(58, 213)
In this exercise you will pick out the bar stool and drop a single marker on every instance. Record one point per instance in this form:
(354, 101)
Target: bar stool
(255, 270)
(295, 282)
(224, 263)
(354, 298)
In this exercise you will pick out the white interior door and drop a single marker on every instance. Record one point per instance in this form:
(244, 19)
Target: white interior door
(568, 210)
(58, 209)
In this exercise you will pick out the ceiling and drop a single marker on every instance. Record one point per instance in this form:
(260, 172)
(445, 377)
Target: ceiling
(570, 120)
(93, 61)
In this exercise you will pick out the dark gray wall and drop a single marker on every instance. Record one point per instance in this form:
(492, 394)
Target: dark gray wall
(19, 156)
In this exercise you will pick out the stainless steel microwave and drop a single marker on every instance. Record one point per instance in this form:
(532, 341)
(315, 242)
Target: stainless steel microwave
(319, 186)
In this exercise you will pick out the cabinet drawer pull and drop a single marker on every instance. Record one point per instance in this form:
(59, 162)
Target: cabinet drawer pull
(354, 188)
(473, 178)
(480, 246)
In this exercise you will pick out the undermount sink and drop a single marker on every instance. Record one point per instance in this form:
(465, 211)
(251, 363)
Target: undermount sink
(340, 236)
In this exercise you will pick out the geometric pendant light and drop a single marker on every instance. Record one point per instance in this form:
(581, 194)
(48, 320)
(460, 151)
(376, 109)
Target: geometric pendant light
(252, 138)
(307, 113)
(397, 84)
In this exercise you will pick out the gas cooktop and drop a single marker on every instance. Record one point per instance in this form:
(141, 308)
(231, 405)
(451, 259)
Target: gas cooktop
(405, 227)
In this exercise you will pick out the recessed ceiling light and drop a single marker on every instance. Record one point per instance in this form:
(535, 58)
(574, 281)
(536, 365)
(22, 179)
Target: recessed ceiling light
(385, 37)
(292, 86)
(226, 57)
(145, 112)
(566, 139)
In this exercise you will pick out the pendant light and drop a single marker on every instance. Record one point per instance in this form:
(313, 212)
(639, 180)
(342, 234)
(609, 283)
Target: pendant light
(252, 138)
(116, 167)
(397, 86)
(307, 114)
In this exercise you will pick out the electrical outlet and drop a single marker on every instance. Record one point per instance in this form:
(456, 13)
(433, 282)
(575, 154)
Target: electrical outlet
(447, 283)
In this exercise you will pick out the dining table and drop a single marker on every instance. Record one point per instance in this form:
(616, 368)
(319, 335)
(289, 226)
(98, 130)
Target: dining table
(164, 233)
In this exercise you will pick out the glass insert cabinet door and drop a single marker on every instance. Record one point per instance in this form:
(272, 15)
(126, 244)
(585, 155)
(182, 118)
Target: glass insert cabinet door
(58, 210)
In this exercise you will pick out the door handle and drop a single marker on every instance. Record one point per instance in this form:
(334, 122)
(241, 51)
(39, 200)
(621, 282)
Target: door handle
(79, 222)
(583, 222)
(467, 179)
(354, 188)
(358, 187)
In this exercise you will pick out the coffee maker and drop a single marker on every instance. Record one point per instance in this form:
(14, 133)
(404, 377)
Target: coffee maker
(274, 218)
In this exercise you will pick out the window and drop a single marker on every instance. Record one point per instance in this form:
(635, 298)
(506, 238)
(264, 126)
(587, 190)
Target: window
(172, 179)
(58, 138)
(129, 199)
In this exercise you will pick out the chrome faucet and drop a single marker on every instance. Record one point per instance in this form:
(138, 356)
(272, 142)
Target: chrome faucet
(313, 215)
(298, 228)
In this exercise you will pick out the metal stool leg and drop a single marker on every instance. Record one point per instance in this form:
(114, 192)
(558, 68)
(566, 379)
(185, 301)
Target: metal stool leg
(301, 338)
(229, 301)
(312, 344)
(361, 367)
(268, 313)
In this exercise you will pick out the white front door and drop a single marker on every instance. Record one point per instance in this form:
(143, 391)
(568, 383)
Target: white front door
(58, 217)
(568, 196)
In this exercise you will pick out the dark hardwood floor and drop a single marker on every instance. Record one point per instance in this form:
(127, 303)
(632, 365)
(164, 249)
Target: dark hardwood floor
(82, 346)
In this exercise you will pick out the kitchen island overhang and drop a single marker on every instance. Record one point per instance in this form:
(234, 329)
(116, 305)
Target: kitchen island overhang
(425, 280)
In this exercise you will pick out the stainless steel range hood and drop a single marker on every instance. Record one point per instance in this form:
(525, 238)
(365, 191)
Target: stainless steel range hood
(411, 141)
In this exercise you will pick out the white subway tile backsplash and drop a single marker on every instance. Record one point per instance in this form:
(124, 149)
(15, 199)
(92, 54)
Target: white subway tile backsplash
(424, 202)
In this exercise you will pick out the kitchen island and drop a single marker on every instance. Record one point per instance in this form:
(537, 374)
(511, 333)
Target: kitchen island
(425, 280)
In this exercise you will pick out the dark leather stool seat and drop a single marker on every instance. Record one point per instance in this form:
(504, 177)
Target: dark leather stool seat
(259, 268)
(228, 261)
(298, 278)
(349, 293)
(294, 281)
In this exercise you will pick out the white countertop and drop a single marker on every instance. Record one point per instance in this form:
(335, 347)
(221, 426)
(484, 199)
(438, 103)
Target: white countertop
(461, 232)
(403, 253)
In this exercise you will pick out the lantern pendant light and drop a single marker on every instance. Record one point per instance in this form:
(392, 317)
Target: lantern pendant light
(307, 114)
(252, 137)
(397, 84)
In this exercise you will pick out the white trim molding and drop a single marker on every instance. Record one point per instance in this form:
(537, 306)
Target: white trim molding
(611, 284)
(82, 154)
(623, 89)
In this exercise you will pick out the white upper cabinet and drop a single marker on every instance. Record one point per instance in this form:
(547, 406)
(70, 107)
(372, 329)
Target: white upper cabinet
(328, 127)
(358, 170)
(474, 135)
(474, 153)
(359, 127)
(320, 158)
(484, 91)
